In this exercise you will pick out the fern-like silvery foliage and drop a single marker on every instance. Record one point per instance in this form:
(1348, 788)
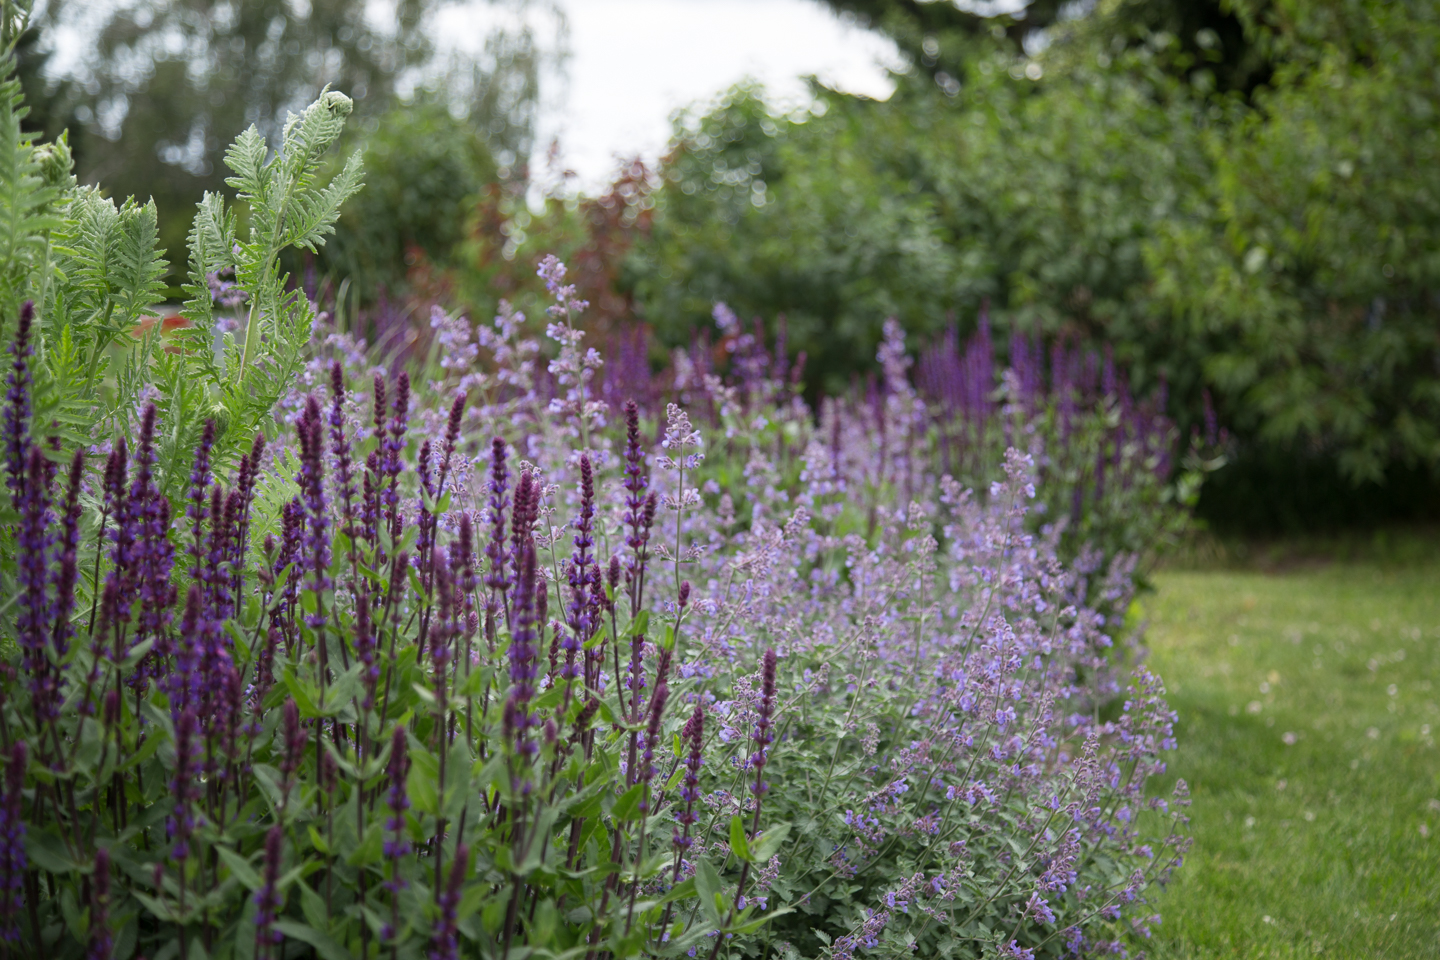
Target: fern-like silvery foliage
(290, 205)
(96, 273)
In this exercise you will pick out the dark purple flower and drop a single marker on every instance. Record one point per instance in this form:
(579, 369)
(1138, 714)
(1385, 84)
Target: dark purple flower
(36, 611)
(186, 683)
(340, 448)
(498, 578)
(637, 481)
(763, 736)
(12, 844)
(463, 558)
(365, 647)
(267, 898)
(397, 798)
(101, 941)
(181, 824)
(652, 737)
(582, 570)
(394, 446)
(199, 487)
(692, 737)
(522, 517)
(296, 736)
(312, 490)
(443, 941)
(17, 405)
(154, 555)
(452, 440)
(523, 668)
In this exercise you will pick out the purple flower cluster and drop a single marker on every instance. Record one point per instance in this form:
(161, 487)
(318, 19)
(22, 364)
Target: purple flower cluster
(831, 627)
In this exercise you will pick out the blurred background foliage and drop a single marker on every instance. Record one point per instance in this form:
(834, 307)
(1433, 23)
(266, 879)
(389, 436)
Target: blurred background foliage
(1233, 196)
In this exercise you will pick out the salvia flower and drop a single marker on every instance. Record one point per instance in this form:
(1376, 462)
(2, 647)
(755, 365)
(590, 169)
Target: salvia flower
(267, 898)
(652, 738)
(13, 861)
(181, 823)
(444, 939)
(17, 404)
(101, 940)
(497, 576)
(692, 737)
(36, 610)
(763, 736)
(397, 798)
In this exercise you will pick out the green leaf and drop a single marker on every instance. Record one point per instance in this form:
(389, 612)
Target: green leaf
(370, 847)
(739, 845)
(638, 625)
(322, 943)
(423, 794)
(313, 907)
(47, 851)
(628, 803)
(760, 921)
(708, 887)
(240, 868)
(683, 890)
(768, 843)
(303, 692)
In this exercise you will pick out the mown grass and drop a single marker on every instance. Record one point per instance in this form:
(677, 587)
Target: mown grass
(1309, 704)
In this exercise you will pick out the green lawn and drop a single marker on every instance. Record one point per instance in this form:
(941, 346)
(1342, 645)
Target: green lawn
(1309, 706)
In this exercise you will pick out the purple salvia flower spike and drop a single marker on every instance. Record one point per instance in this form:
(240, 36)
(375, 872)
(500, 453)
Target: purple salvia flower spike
(267, 898)
(17, 405)
(13, 862)
(444, 940)
(101, 941)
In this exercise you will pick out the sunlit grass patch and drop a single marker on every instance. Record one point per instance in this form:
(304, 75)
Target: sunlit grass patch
(1309, 708)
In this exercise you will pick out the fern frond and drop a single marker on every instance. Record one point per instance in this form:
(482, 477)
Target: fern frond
(212, 242)
(140, 264)
(254, 178)
(314, 213)
(25, 198)
(88, 245)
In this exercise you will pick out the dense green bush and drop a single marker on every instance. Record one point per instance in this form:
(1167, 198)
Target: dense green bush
(1274, 245)
(423, 168)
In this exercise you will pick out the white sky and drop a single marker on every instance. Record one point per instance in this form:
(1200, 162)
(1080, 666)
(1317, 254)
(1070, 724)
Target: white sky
(633, 62)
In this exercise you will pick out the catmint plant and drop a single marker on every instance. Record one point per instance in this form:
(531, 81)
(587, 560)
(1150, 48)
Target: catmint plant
(407, 681)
